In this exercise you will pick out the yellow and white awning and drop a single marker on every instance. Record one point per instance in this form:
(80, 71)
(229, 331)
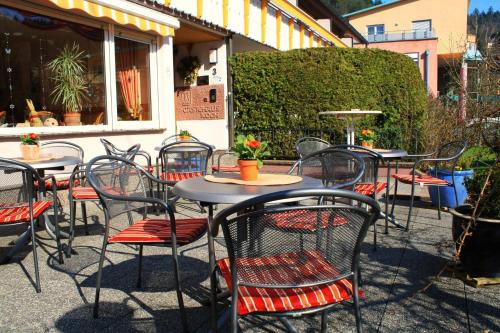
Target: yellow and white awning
(124, 13)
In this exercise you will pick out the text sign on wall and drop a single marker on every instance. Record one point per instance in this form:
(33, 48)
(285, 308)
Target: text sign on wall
(195, 103)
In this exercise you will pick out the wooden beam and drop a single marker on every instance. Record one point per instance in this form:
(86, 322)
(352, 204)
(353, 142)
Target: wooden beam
(278, 29)
(167, 3)
(291, 23)
(225, 14)
(311, 39)
(263, 20)
(246, 11)
(199, 9)
(301, 30)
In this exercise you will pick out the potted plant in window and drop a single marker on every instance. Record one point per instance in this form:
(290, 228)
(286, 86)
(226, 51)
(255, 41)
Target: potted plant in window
(184, 135)
(367, 137)
(30, 149)
(71, 88)
(250, 154)
(188, 68)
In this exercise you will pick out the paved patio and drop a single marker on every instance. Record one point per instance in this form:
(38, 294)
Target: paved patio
(404, 263)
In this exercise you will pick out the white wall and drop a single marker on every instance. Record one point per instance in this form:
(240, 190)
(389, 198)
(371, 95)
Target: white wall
(242, 44)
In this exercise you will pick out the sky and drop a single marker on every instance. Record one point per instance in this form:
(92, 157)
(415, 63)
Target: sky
(480, 4)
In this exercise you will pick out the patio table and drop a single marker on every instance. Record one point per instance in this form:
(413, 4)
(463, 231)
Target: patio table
(210, 193)
(350, 117)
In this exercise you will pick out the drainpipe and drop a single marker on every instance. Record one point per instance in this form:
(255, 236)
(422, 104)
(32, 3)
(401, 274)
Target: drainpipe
(230, 109)
(426, 71)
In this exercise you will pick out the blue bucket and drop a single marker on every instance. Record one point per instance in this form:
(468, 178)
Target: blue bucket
(447, 194)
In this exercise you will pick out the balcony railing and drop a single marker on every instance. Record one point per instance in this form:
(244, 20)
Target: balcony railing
(392, 36)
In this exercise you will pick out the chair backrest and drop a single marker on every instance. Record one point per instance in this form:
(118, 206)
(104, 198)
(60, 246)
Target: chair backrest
(308, 145)
(264, 255)
(451, 152)
(62, 148)
(371, 158)
(339, 168)
(185, 157)
(176, 138)
(223, 157)
(16, 183)
(121, 185)
(112, 150)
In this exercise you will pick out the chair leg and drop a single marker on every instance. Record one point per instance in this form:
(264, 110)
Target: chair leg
(84, 216)
(72, 218)
(35, 258)
(412, 199)
(375, 236)
(98, 282)
(58, 236)
(439, 202)
(324, 321)
(139, 276)
(179, 290)
(357, 310)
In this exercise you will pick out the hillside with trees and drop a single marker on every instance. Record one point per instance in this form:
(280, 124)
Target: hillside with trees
(347, 6)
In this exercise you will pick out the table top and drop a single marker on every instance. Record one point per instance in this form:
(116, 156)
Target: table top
(388, 154)
(56, 162)
(199, 189)
(185, 148)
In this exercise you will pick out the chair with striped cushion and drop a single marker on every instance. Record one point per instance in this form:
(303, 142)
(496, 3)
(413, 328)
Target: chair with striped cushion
(81, 192)
(275, 272)
(369, 184)
(445, 157)
(308, 145)
(182, 160)
(61, 148)
(122, 188)
(224, 160)
(21, 203)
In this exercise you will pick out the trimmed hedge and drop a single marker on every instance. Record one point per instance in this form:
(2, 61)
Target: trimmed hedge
(285, 91)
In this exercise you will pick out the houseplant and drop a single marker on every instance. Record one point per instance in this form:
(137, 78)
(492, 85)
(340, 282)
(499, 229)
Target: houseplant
(250, 153)
(70, 86)
(184, 135)
(367, 137)
(30, 149)
(188, 69)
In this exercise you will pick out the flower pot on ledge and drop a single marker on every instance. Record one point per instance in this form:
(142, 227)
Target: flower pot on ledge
(367, 144)
(249, 169)
(30, 152)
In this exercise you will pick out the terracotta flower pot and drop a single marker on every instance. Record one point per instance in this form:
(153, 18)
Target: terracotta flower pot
(248, 169)
(367, 144)
(30, 152)
(72, 118)
(185, 137)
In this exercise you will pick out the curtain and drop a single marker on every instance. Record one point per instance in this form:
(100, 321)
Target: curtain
(130, 80)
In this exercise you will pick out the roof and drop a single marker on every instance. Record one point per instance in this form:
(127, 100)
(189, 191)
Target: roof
(391, 2)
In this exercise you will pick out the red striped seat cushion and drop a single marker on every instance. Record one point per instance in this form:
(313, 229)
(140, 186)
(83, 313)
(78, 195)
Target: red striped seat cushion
(420, 179)
(158, 231)
(226, 168)
(368, 188)
(62, 184)
(178, 176)
(84, 193)
(22, 213)
(306, 266)
(305, 220)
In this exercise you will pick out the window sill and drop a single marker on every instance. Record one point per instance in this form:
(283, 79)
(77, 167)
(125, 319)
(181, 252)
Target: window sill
(7, 132)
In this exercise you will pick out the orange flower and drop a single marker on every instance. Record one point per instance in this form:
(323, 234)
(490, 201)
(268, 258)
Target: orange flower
(254, 144)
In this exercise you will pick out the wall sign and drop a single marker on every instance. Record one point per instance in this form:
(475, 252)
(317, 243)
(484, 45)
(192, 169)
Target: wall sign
(200, 103)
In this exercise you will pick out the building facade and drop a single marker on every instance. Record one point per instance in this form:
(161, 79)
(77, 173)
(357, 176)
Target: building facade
(428, 31)
(150, 68)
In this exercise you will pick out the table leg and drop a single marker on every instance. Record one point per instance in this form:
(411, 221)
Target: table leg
(212, 270)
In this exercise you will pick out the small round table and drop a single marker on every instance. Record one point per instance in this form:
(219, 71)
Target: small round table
(54, 163)
(350, 117)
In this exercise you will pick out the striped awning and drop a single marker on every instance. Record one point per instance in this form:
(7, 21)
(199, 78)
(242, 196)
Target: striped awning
(122, 17)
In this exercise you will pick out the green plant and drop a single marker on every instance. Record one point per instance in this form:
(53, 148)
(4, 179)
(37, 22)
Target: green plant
(476, 158)
(285, 91)
(489, 203)
(367, 135)
(30, 139)
(248, 148)
(184, 133)
(188, 69)
(68, 73)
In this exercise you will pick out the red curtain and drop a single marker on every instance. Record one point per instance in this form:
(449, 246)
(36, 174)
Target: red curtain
(130, 81)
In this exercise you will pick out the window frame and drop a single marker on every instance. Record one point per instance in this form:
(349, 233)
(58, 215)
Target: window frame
(375, 29)
(418, 21)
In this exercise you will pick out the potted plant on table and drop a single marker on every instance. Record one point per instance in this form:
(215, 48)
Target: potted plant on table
(367, 137)
(184, 135)
(30, 148)
(250, 153)
(71, 88)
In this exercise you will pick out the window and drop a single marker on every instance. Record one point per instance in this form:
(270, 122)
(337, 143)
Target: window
(424, 25)
(377, 29)
(29, 42)
(132, 80)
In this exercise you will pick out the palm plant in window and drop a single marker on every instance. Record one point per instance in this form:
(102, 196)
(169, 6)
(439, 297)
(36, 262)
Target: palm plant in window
(70, 86)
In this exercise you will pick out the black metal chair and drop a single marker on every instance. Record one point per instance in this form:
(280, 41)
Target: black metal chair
(81, 192)
(308, 145)
(182, 160)
(62, 148)
(446, 156)
(272, 271)
(113, 150)
(176, 138)
(20, 202)
(224, 160)
(369, 185)
(121, 187)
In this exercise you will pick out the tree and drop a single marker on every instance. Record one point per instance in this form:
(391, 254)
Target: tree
(348, 6)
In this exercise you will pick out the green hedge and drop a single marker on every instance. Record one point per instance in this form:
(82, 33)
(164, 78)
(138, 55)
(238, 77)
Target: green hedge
(284, 91)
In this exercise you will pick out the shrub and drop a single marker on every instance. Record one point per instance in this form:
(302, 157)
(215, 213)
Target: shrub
(287, 90)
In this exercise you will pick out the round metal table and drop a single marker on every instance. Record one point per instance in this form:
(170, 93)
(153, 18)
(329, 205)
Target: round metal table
(55, 163)
(199, 189)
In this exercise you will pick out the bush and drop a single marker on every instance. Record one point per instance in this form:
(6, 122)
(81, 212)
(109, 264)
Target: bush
(489, 205)
(477, 158)
(287, 90)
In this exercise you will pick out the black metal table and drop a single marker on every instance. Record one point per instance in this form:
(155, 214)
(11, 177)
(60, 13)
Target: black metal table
(210, 193)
